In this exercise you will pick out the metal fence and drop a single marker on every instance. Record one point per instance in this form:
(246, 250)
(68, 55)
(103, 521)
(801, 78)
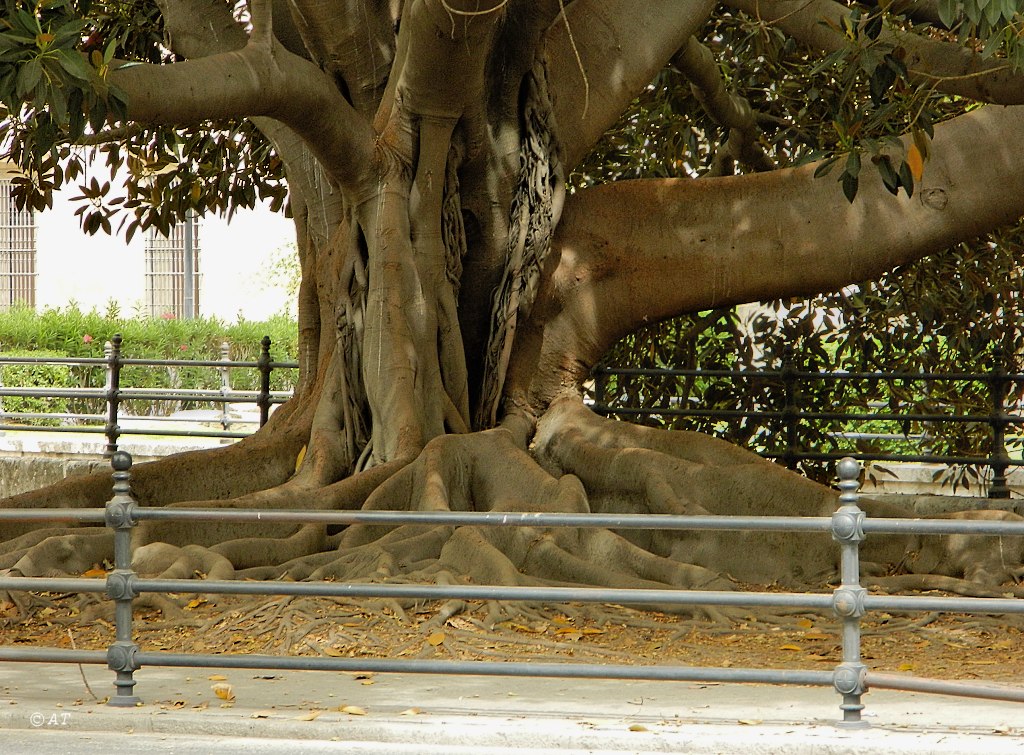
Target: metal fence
(788, 408)
(114, 394)
(849, 602)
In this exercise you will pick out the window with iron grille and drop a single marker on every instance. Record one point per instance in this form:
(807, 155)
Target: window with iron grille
(169, 292)
(17, 251)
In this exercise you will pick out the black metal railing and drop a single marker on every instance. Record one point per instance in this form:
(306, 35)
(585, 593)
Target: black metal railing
(114, 394)
(786, 410)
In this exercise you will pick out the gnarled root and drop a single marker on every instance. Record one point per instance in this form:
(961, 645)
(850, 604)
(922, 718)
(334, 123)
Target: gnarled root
(577, 463)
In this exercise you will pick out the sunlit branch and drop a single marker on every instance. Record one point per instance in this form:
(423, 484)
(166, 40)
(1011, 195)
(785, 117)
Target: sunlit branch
(595, 72)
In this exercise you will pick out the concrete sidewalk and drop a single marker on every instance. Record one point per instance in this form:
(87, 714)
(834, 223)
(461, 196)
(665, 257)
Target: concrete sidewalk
(48, 708)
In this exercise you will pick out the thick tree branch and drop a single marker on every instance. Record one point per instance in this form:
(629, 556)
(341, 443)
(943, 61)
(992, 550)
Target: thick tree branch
(251, 82)
(947, 67)
(195, 28)
(728, 110)
(602, 53)
(443, 57)
(730, 240)
(353, 41)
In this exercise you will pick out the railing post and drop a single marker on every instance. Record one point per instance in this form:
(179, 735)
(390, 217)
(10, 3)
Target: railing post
(3, 415)
(120, 516)
(263, 364)
(998, 386)
(112, 352)
(790, 416)
(848, 598)
(600, 390)
(225, 386)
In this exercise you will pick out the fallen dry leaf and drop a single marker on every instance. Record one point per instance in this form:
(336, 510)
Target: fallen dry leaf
(352, 710)
(217, 678)
(223, 691)
(411, 712)
(435, 639)
(360, 674)
(638, 727)
(311, 716)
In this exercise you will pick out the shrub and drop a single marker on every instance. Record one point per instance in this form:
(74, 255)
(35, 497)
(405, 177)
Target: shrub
(70, 332)
(36, 376)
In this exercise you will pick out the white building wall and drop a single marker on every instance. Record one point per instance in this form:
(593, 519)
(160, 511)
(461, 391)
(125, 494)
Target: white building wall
(92, 270)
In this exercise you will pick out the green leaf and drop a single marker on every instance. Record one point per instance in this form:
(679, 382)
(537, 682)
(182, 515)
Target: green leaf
(906, 178)
(108, 53)
(97, 115)
(28, 77)
(873, 26)
(889, 176)
(850, 184)
(74, 64)
(853, 164)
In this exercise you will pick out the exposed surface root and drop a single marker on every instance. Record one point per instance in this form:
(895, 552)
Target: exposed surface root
(576, 463)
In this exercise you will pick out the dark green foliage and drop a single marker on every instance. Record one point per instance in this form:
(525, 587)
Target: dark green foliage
(55, 58)
(35, 376)
(71, 332)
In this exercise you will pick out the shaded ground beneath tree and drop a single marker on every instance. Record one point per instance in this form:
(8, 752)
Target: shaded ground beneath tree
(949, 646)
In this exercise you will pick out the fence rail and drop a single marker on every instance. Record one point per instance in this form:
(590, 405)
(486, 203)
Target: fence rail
(848, 603)
(113, 395)
(793, 416)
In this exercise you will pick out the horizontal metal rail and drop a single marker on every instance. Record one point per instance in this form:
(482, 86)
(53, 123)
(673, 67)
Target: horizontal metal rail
(148, 394)
(886, 525)
(669, 411)
(113, 394)
(848, 526)
(755, 374)
(103, 362)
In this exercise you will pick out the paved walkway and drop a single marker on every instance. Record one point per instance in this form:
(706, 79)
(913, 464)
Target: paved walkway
(48, 708)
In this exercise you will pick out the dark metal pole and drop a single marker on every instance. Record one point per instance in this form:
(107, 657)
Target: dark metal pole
(998, 387)
(263, 364)
(121, 655)
(225, 386)
(112, 351)
(848, 598)
(600, 390)
(789, 409)
(189, 304)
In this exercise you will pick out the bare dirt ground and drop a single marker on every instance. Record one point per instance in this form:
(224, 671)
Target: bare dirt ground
(932, 645)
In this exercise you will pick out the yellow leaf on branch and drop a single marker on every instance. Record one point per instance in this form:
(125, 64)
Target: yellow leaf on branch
(915, 161)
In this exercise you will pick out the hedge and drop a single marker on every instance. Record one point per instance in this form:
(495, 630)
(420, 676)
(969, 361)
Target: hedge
(70, 332)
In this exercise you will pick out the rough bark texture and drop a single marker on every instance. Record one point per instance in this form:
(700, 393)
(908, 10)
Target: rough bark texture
(453, 300)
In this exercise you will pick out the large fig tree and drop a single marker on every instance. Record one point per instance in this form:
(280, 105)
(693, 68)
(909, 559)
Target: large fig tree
(465, 265)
